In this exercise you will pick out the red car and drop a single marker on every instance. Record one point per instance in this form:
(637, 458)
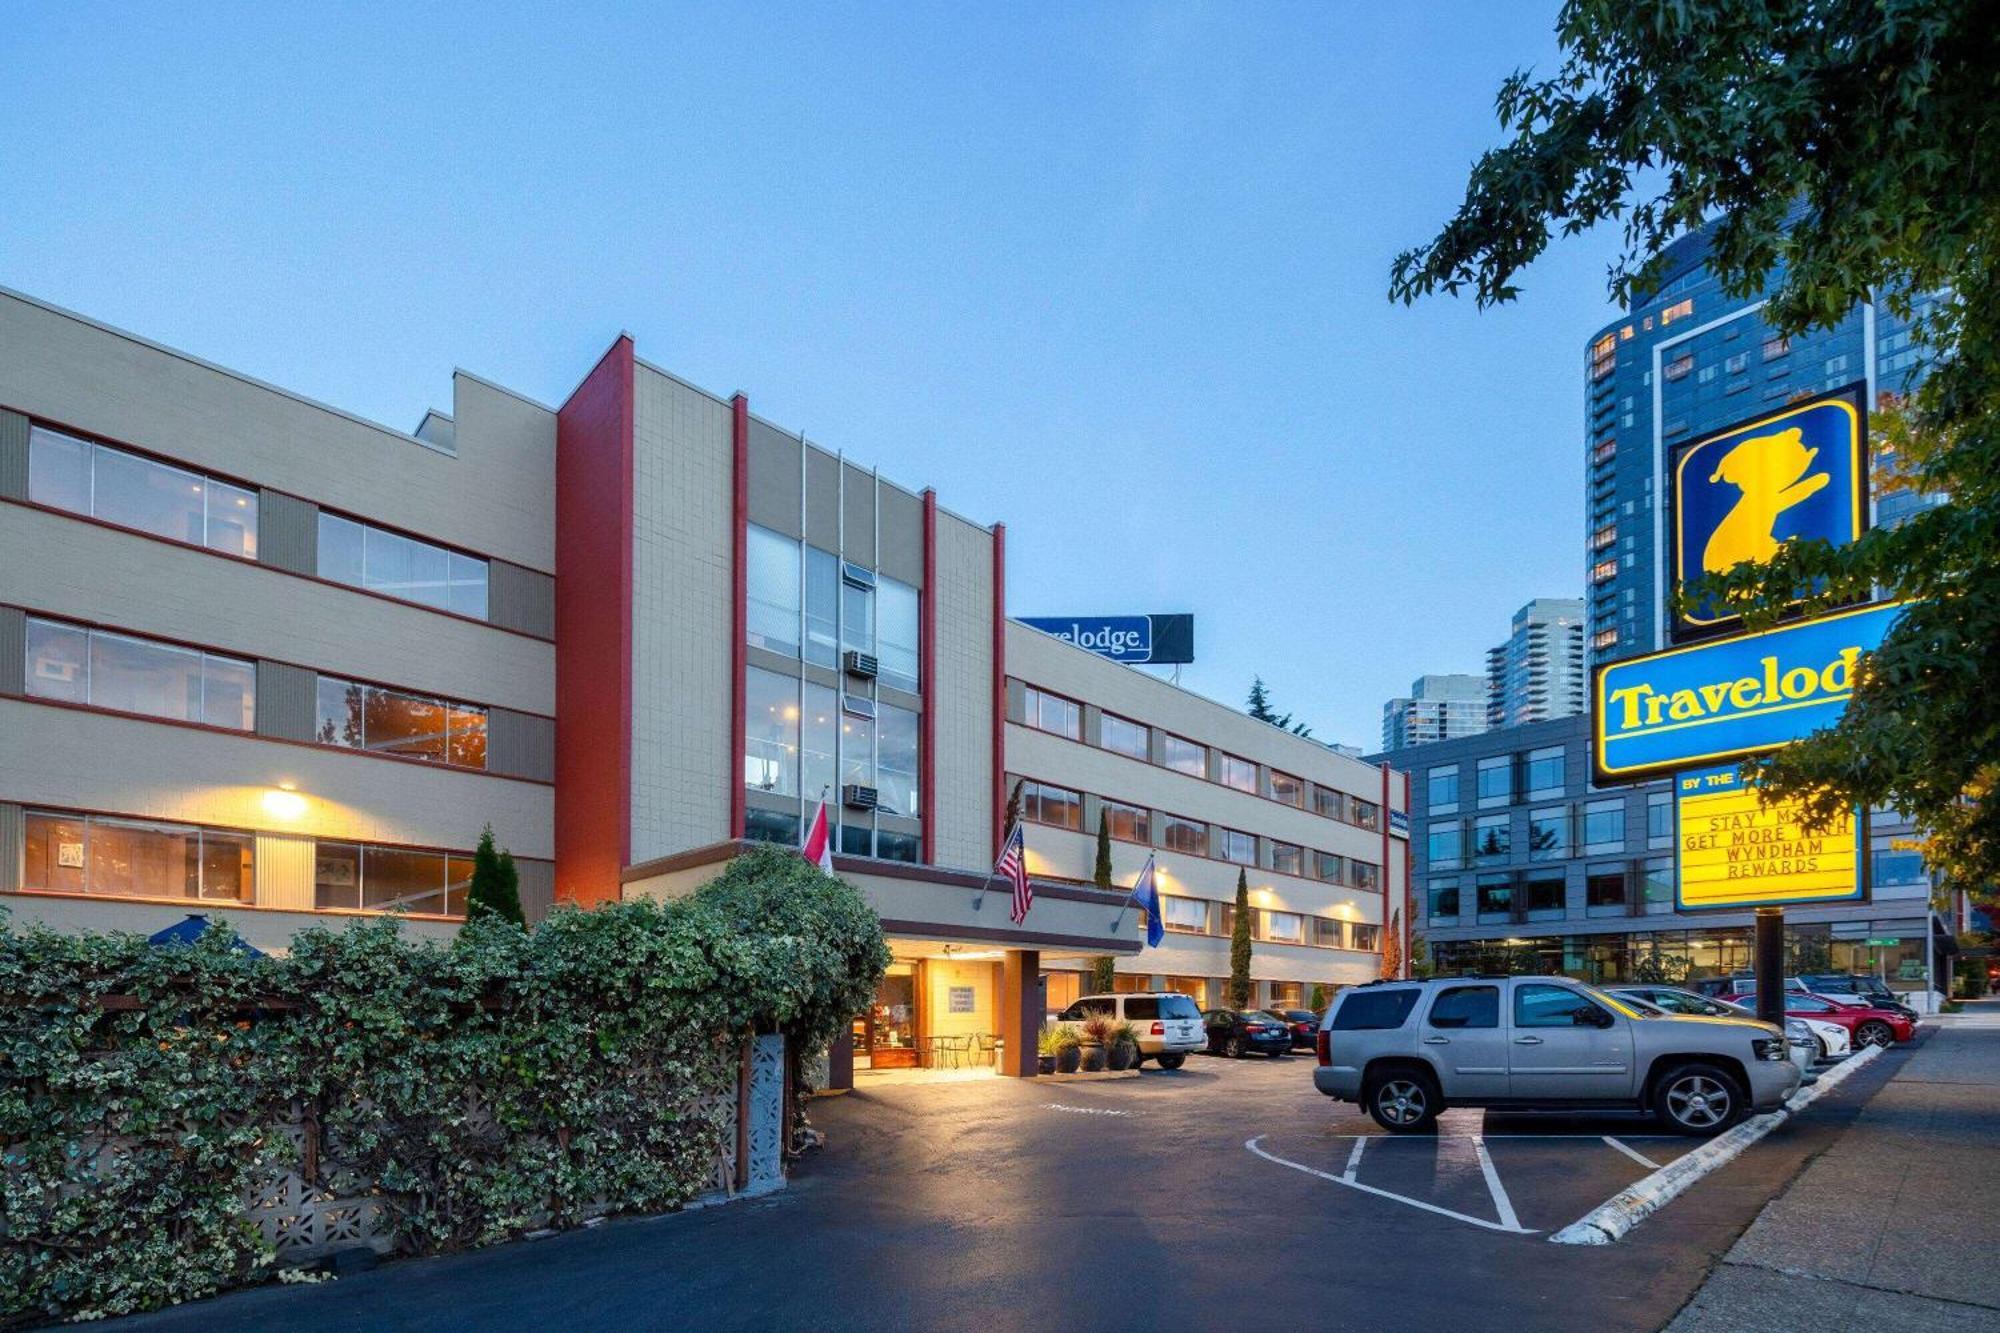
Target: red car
(1866, 1026)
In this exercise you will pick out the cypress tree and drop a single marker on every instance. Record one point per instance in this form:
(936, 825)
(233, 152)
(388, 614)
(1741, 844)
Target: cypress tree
(1239, 945)
(496, 883)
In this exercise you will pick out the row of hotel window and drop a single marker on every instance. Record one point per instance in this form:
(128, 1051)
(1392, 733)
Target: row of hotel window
(125, 673)
(801, 738)
(1059, 807)
(1062, 716)
(1201, 916)
(1498, 780)
(807, 603)
(1545, 891)
(132, 491)
(1554, 832)
(107, 857)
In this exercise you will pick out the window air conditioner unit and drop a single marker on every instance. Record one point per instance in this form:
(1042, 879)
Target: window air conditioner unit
(862, 664)
(857, 797)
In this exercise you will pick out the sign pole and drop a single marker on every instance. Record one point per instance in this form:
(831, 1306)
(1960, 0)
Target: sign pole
(1770, 963)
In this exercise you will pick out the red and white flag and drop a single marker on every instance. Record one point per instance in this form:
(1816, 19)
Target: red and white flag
(818, 847)
(1013, 867)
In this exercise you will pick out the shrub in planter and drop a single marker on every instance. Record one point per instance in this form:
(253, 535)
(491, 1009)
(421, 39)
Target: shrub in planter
(1069, 1052)
(1046, 1042)
(1096, 1038)
(1123, 1052)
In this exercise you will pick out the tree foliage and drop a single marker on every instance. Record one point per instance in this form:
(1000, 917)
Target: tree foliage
(1843, 150)
(496, 883)
(506, 1081)
(1392, 947)
(1258, 705)
(1239, 945)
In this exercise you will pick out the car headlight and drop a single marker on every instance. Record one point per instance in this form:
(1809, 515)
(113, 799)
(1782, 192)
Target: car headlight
(1768, 1048)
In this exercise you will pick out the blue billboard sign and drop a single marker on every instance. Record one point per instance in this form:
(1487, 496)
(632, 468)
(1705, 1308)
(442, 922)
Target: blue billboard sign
(1721, 700)
(1139, 640)
(1742, 493)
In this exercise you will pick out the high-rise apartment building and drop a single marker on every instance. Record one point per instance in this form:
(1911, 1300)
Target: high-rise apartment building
(1538, 675)
(1690, 360)
(1438, 708)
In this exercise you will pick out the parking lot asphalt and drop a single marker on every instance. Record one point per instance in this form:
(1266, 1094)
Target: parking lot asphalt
(1208, 1197)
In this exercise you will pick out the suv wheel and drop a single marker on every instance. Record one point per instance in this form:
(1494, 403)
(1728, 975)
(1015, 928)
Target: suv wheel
(1698, 1099)
(1172, 1061)
(1875, 1033)
(1234, 1048)
(1404, 1102)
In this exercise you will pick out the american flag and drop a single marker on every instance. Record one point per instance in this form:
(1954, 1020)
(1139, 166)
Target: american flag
(1013, 867)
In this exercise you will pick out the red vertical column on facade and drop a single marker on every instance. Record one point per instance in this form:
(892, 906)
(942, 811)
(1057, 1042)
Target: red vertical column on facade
(1409, 887)
(1383, 879)
(999, 686)
(594, 453)
(927, 685)
(739, 610)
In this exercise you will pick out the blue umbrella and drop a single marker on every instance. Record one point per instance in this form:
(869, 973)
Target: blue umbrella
(193, 928)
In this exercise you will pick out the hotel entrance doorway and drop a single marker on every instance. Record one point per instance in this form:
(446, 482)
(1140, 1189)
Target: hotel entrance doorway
(886, 1036)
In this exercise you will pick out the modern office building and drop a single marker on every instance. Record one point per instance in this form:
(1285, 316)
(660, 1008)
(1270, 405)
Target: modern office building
(1538, 674)
(1523, 865)
(1687, 361)
(1438, 708)
(261, 657)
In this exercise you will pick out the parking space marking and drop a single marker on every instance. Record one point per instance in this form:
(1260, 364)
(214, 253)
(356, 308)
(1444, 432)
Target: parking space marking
(1509, 1223)
(1638, 1157)
(1501, 1203)
(1354, 1158)
(1082, 1110)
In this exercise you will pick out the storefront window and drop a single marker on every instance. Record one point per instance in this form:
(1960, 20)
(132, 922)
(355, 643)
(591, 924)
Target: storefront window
(131, 858)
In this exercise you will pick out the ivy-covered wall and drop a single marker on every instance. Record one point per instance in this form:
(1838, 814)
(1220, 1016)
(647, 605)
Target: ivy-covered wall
(507, 1081)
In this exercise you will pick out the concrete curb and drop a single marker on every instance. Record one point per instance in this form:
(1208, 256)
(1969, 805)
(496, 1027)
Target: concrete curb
(1609, 1221)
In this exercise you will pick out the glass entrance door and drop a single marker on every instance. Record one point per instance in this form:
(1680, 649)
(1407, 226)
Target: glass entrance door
(890, 1040)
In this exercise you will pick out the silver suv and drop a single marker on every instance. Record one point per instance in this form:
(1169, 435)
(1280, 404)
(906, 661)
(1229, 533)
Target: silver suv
(1407, 1050)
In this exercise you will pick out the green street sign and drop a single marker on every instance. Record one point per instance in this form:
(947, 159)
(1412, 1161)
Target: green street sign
(1882, 944)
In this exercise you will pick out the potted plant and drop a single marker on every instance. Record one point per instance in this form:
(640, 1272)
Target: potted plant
(1096, 1037)
(1069, 1051)
(1046, 1042)
(1123, 1052)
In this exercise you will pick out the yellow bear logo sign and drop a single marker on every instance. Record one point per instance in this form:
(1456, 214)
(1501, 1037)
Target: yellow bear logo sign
(1771, 474)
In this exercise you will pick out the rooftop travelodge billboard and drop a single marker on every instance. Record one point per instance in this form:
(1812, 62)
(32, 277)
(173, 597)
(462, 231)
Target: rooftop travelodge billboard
(1796, 474)
(1711, 702)
(1157, 640)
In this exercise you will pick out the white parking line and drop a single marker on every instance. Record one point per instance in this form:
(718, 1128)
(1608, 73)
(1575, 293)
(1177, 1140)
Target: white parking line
(1082, 1110)
(1354, 1158)
(1612, 1219)
(1509, 1222)
(1640, 1158)
(1501, 1203)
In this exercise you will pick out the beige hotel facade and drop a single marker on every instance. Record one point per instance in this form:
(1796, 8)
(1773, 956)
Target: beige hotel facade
(265, 660)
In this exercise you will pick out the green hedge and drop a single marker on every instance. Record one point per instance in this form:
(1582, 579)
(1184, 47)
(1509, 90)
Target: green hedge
(505, 1081)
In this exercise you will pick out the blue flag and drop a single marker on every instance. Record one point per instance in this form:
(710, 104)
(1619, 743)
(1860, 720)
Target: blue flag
(1145, 895)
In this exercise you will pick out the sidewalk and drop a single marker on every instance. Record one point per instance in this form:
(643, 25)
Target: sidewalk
(1894, 1227)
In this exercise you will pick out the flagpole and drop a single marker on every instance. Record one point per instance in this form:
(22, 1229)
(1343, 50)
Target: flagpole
(979, 899)
(1119, 920)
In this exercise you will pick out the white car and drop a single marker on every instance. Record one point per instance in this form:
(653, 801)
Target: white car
(1833, 1039)
(1168, 1022)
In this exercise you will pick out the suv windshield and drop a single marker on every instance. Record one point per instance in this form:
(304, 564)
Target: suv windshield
(1178, 1006)
(1366, 1009)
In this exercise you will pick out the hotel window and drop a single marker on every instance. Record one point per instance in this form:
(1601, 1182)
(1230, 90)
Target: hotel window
(772, 591)
(857, 756)
(822, 606)
(1288, 994)
(1052, 713)
(1496, 894)
(890, 846)
(1286, 788)
(1545, 772)
(1605, 451)
(1548, 834)
(1284, 928)
(1604, 638)
(1183, 756)
(1737, 364)
(1238, 773)
(1330, 804)
(1365, 814)
(1496, 781)
(1678, 368)
(1364, 874)
(364, 556)
(1443, 846)
(1444, 900)
(761, 825)
(1057, 807)
(1657, 888)
(1659, 820)
(1232, 845)
(1776, 346)
(133, 675)
(368, 717)
(1603, 569)
(1287, 859)
(896, 633)
(1604, 825)
(819, 728)
(1329, 867)
(1604, 888)
(895, 761)
(1441, 790)
(134, 492)
(1678, 310)
(857, 609)
(1364, 937)
(1545, 891)
(1603, 357)
(1329, 933)
(771, 732)
(136, 858)
(1128, 823)
(1131, 739)
(1185, 835)
(358, 877)
(1492, 837)
(1184, 916)
(1603, 537)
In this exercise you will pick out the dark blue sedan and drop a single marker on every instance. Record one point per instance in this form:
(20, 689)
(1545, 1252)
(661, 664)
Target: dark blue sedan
(1237, 1032)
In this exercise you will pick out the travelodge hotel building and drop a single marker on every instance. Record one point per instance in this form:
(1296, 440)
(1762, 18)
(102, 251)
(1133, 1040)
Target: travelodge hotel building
(261, 657)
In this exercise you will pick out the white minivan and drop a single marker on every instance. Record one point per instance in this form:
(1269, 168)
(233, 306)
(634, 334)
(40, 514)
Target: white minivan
(1168, 1022)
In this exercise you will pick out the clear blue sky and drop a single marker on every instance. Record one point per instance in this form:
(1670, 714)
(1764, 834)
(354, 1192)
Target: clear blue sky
(1113, 274)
